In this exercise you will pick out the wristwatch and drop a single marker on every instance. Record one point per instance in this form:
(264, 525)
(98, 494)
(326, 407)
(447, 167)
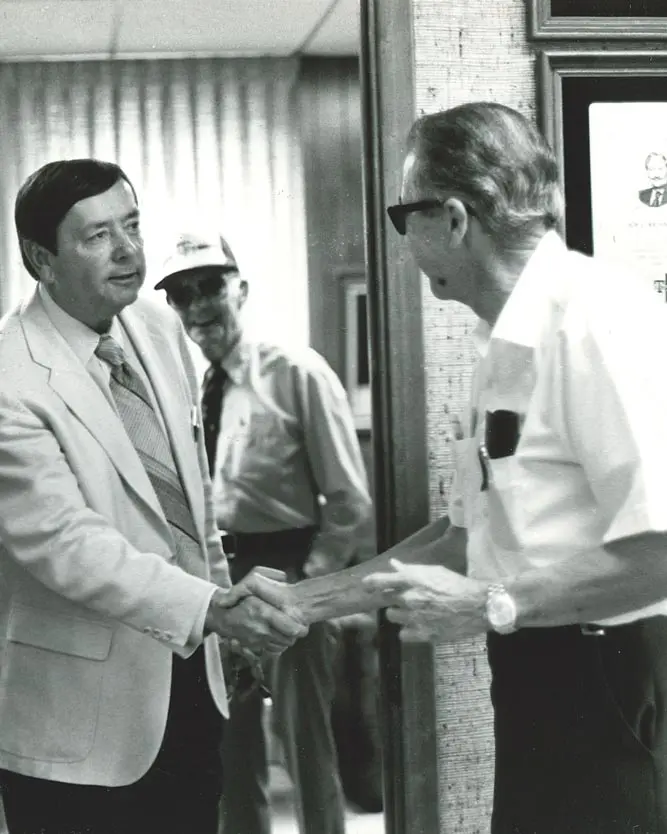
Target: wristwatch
(501, 609)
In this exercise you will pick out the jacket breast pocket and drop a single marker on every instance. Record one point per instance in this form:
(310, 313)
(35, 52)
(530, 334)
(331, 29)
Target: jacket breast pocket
(50, 684)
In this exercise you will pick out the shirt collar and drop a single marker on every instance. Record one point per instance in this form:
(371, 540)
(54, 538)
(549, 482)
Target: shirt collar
(481, 336)
(81, 338)
(520, 321)
(236, 363)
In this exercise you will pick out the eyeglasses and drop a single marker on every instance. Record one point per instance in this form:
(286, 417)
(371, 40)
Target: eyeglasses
(182, 295)
(398, 213)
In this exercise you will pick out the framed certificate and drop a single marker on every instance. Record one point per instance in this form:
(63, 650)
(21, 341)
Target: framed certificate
(618, 19)
(605, 114)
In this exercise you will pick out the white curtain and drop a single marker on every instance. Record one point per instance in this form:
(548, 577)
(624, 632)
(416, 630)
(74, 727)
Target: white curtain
(212, 142)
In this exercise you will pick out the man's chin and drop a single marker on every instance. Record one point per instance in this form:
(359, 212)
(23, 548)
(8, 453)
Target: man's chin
(210, 339)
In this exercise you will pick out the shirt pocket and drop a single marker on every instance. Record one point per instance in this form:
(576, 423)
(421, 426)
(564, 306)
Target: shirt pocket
(264, 432)
(505, 511)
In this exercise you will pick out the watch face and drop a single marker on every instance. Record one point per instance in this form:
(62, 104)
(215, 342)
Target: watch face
(501, 610)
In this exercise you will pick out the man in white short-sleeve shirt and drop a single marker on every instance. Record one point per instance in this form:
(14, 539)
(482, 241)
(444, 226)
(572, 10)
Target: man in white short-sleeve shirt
(555, 546)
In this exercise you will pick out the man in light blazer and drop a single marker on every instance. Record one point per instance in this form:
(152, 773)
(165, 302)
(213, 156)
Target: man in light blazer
(111, 569)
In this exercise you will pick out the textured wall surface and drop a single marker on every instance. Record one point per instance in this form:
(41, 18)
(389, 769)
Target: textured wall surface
(464, 51)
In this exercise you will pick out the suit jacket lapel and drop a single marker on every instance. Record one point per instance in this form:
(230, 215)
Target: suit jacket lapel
(174, 400)
(83, 396)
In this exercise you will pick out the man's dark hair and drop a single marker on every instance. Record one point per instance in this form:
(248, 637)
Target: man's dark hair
(51, 191)
(496, 159)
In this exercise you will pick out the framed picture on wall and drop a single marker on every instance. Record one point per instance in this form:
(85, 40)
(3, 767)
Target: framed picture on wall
(622, 19)
(605, 114)
(355, 344)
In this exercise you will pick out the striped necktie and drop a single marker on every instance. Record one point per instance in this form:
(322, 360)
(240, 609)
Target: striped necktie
(211, 408)
(149, 439)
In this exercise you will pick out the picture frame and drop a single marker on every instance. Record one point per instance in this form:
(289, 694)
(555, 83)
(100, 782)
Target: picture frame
(355, 344)
(597, 19)
(604, 112)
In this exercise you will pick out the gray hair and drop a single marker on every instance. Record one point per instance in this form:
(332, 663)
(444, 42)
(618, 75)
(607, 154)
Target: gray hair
(655, 155)
(496, 161)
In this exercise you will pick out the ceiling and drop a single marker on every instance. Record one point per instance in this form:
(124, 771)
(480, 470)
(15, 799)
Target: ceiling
(159, 28)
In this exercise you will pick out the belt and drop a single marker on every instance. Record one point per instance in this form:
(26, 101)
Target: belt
(592, 630)
(297, 538)
(285, 550)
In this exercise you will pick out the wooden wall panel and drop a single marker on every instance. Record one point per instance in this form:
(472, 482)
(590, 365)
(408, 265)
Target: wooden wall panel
(330, 108)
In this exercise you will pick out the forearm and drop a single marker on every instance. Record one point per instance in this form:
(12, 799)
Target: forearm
(343, 593)
(438, 543)
(594, 585)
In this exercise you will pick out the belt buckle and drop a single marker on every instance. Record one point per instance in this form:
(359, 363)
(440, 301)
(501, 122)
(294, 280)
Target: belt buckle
(592, 630)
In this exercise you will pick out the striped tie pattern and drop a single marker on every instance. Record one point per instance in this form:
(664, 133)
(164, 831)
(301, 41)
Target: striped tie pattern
(148, 438)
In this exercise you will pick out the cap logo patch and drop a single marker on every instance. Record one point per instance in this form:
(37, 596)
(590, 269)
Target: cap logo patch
(188, 245)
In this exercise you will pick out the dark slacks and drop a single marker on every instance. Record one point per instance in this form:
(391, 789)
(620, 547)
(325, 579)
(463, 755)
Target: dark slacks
(581, 739)
(302, 686)
(179, 794)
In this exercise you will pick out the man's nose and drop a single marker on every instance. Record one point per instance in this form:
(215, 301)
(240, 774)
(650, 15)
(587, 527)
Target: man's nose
(198, 299)
(126, 244)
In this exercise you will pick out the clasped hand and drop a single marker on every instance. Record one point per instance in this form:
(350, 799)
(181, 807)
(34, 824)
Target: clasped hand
(258, 614)
(431, 602)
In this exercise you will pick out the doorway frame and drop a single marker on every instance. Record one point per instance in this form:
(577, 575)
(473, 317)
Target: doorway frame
(398, 389)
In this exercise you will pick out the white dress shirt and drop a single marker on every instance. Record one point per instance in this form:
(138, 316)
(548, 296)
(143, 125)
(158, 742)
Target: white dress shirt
(578, 353)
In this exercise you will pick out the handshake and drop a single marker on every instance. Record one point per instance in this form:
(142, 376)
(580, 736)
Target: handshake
(259, 614)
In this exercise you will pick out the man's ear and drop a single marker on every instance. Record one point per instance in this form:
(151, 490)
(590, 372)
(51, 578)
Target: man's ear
(39, 258)
(458, 220)
(243, 292)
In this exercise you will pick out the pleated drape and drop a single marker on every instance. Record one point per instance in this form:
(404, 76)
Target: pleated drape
(207, 143)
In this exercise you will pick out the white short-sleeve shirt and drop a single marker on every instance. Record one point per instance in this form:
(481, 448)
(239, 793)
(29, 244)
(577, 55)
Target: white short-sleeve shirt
(578, 354)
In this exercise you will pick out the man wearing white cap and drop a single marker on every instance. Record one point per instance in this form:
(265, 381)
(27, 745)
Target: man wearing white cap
(290, 492)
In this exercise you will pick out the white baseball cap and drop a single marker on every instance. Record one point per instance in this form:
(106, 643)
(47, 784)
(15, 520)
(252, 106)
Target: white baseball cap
(195, 250)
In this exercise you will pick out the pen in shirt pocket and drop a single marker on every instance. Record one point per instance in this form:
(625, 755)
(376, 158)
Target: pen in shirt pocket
(194, 422)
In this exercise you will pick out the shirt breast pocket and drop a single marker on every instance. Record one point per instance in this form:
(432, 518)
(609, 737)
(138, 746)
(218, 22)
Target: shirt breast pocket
(263, 432)
(505, 502)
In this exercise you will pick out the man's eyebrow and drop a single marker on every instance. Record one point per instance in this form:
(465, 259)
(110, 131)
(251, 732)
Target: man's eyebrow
(102, 224)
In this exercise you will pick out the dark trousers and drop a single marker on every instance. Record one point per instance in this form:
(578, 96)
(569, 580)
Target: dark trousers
(301, 681)
(581, 740)
(179, 794)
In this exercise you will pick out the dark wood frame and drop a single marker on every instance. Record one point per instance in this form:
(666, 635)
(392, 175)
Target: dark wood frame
(544, 25)
(352, 278)
(399, 408)
(569, 80)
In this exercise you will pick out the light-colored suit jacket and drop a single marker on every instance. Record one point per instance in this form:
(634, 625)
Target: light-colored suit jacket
(92, 603)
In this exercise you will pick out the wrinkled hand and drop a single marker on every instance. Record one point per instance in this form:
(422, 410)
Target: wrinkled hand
(431, 603)
(258, 613)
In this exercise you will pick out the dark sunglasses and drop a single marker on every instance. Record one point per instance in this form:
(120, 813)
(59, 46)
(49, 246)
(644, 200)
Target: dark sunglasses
(398, 213)
(182, 295)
